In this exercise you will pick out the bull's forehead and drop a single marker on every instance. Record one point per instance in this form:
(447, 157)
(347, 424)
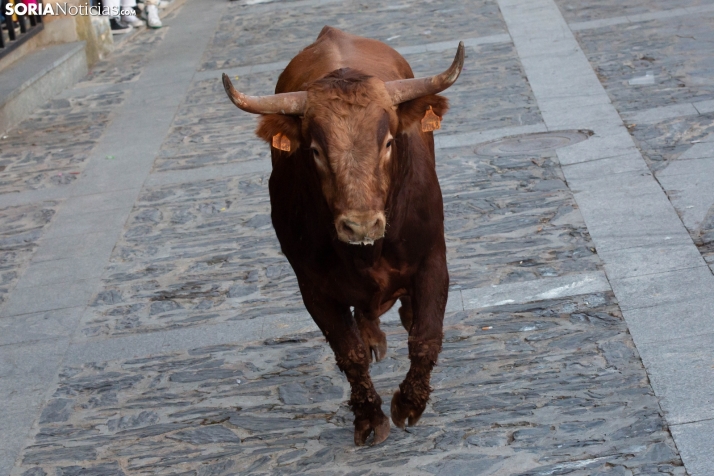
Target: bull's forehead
(349, 128)
(343, 109)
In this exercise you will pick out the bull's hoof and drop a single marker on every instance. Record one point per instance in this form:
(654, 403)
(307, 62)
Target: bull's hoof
(363, 429)
(404, 411)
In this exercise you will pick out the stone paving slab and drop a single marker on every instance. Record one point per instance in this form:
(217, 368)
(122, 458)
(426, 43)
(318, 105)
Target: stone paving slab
(657, 114)
(45, 325)
(478, 137)
(536, 290)
(688, 183)
(589, 10)
(670, 139)
(682, 375)
(640, 17)
(552, 387)
(24, 388)
(247, 38)
(698, 440)
(705, 107)
(20, 229)
(51, 147)
(680, 64)
(681, 319)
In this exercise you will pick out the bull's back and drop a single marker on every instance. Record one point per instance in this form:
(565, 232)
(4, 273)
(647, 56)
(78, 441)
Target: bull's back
(335, 49)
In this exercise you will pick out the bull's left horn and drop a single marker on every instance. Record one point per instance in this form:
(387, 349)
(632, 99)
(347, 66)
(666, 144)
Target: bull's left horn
(404, 90)
(292, 104)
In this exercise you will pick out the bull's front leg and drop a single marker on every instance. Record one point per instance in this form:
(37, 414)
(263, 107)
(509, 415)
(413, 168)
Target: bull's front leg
(428, 303)
(374, 339)
(353, 358)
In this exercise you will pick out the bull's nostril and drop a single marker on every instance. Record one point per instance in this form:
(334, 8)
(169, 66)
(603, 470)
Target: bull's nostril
(376, 226)
(361, 229)
(346, 228)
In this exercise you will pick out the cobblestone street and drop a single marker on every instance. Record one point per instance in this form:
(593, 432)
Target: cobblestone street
(150, 325)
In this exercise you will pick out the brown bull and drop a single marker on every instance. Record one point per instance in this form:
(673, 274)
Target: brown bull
(357, 207)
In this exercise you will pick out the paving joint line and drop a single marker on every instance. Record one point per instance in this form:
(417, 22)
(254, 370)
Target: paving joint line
(32, 341)
(575, 164)
(693, 421)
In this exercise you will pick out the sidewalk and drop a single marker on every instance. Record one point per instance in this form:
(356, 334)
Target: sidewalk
(150, 325)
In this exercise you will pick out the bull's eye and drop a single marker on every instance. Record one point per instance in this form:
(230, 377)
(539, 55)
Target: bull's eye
(315, 153)
(389, 144)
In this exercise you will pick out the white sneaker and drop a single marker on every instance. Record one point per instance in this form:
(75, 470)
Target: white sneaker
(151, 13)
(132, 20)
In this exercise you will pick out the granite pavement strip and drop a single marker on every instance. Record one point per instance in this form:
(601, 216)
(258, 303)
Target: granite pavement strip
(202, 368)
(662, 283)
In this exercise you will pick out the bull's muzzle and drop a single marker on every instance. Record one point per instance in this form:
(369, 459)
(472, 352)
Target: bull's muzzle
(360, 228)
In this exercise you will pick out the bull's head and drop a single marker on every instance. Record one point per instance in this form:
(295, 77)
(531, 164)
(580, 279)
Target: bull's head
(348, 120)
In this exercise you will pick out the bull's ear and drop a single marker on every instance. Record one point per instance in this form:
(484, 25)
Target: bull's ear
(413, 111)
(277, 129)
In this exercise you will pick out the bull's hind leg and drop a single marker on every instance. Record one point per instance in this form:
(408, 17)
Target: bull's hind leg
(428, 302)
(405, 312)
(372, 336)
(352, 356)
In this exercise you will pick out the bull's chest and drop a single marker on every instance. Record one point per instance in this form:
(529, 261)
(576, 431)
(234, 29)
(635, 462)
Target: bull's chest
(378, 286)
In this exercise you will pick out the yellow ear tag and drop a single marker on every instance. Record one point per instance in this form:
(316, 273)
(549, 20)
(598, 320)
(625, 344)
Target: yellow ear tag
(431, 121)
(281, 142)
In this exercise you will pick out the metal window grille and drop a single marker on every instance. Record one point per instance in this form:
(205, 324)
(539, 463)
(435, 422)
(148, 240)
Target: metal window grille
(18, 28)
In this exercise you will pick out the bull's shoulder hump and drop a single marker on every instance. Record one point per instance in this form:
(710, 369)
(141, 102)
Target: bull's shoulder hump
(334, 49)
(331, 31)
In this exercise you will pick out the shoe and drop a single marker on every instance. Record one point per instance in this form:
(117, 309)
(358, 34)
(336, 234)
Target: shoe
(132, 20)
(151, 13)
(119, 27)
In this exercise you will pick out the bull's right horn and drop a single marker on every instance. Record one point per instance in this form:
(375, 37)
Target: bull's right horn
(291, 104)
(403, 90)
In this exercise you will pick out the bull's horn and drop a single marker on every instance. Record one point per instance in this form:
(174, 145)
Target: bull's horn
(292, 104)
(407, 89)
